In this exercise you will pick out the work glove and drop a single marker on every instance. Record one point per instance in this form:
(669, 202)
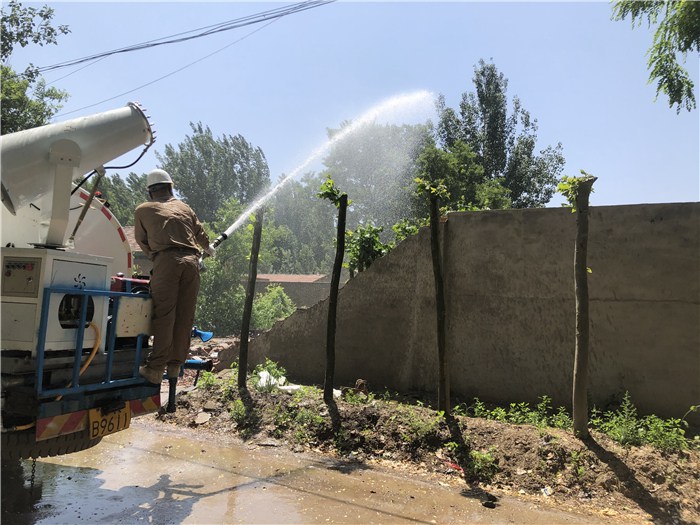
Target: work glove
(210, 250)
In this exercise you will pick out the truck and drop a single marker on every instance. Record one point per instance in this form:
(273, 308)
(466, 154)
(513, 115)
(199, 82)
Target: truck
(75, 326)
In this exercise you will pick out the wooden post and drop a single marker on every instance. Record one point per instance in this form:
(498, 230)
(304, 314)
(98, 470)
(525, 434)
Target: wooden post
(248, 306)
(580, 390)
(333, 300)
(443, 376)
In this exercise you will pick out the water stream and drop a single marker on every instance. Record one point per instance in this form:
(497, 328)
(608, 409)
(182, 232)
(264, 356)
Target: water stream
(392, 107)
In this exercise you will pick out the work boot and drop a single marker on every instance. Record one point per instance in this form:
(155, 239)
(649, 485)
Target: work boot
(151, 375)
(173, 370)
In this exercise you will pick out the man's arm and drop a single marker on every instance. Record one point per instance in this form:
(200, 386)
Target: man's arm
(141, 236)
(199, 234)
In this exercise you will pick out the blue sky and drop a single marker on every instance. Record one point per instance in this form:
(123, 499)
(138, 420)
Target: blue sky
(582, 75)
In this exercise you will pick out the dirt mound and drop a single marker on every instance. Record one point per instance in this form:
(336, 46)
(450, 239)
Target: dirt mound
(482, 456)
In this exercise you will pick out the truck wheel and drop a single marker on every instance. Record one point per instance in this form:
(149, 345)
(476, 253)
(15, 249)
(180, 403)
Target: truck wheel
(23, 444)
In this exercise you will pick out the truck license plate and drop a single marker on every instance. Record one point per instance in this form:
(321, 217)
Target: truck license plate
(103, 424)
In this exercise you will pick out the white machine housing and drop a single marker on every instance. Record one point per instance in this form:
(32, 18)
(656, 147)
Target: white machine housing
(26, 273)
(100, 233)
(40, 168)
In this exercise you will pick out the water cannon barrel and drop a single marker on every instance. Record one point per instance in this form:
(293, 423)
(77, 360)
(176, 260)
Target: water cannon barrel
(226, 234)
(221, 238)
(29, 158)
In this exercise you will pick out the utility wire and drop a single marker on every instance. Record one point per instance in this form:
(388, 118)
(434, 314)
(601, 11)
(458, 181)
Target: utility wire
(236, 23)
(169, 74)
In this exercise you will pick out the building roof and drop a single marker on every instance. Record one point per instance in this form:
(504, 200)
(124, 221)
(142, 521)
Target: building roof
(290, 278)
(129, 232)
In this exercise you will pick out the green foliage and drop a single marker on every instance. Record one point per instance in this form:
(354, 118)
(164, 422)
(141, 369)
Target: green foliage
(407, 227)
(208, 171)
(276, 371)
(561, 419)
(677, 32)
(303, 420)
(432, 187)
(330, 192)
(376, 164)
(624, 426)
(363, 247)
(569, 187)
(26, 104)
(25, 100)
(24, 25)
(483, 133)
(270, 307)
(229, 386)
(305, 236)
(221, 294)
(124, 195)
(238, 412)
(221, 299)
(577, 463)
(358, 398)
(665, 434)
(207, 381)
(482, 466)
(419, 427)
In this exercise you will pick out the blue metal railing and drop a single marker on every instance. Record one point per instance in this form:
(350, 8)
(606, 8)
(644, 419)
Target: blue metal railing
(75, 386)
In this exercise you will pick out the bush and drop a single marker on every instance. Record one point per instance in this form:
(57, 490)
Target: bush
(270, 307)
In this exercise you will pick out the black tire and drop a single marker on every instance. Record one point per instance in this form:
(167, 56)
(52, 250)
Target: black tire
(23, 444)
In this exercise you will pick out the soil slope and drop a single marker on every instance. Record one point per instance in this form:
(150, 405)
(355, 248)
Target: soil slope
(486, 458)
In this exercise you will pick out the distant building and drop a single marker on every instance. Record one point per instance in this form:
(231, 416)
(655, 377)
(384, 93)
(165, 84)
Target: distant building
(140, 265)
(304, 290)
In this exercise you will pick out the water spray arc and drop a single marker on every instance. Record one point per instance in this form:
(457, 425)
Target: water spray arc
(383, 109)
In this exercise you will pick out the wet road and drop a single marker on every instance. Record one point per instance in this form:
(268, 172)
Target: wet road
(162, 476)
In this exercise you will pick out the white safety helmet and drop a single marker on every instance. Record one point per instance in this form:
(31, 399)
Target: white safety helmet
(158, 177)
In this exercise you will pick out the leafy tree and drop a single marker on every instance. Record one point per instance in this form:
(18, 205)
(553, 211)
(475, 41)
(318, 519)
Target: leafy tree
(208, 171)
(577, 191)
(435, 190)
(502, 144)
(271, 306)
(463, 177)
(24, 25)
(377, 165)
(677, 31)
(221, 295)
(330, 192)
(363, 247)
(25, 100)
(249, 298)
(124, 195)
(303, 241)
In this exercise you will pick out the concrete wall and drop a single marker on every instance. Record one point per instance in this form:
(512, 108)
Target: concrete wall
(510, 311)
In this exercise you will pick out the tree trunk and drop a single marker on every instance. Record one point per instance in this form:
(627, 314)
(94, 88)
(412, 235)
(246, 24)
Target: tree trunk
(249, 296)
(443, 376)
(333, 301)
(580, 390)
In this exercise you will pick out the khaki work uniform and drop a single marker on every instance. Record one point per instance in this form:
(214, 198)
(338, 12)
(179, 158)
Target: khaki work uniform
(170, 234)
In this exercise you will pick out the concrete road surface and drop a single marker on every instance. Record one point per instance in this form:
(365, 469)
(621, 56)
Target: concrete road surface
(160, 475)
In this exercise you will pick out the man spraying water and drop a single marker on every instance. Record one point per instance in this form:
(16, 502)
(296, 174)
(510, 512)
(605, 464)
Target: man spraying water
(170, 234)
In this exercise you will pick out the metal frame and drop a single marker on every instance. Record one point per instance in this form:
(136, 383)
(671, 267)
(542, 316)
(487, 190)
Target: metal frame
(75, 386)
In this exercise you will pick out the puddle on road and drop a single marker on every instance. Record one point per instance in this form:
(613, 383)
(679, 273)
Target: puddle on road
(143, 475)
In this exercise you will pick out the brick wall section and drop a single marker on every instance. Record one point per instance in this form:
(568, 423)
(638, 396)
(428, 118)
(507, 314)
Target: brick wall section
(510, 311)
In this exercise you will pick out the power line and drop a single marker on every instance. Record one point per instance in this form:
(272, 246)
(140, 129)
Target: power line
(267, 15)
(236, 23)
(166, 75)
